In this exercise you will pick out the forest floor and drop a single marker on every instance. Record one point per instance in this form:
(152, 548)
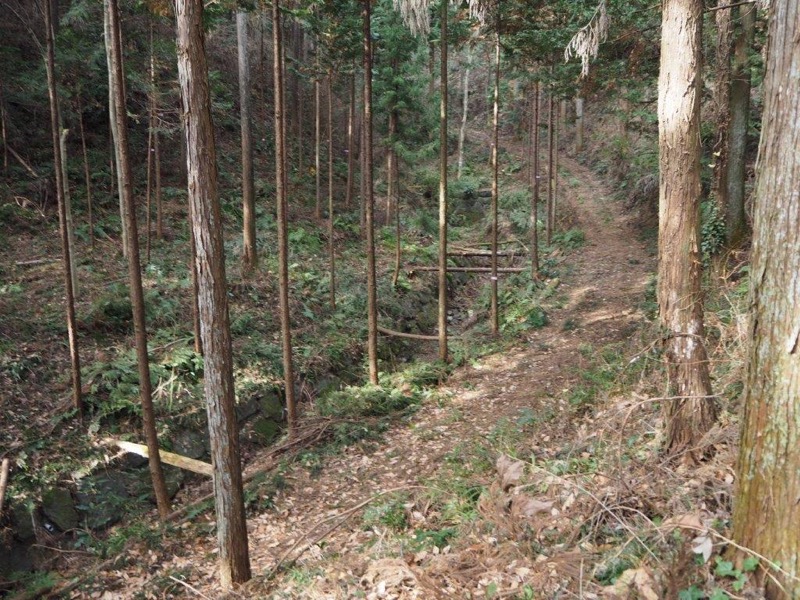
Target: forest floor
(432, 509)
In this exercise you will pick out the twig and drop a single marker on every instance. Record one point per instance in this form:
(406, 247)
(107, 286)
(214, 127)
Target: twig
(189, 587)
(342, 516)
(713, 8)
(38, 261)
(23, 162)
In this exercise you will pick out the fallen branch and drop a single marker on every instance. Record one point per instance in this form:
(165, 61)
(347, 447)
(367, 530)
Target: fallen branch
(176, 460)
(37, 261)
(469, 269)
(411, 336)
(23, 162)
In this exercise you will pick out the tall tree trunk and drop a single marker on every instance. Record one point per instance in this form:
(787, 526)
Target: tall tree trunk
(134, 266)
(391, 164)
(736, 226)
(249, 250)
(317, 137)
(578, 124)
(722, 108)
(555, 170)
(3, 132)
(281, 197)
(534, 223)
(495, 309)
(72, 332)
(157, 167)
(550, 163)
(462, 133)
(114, 134)
(766, 511)
(351, 144)
(86, 172)
(68, 206)
(369, 199)
(331, 241)
(212, 300)
(362, 156)
(150, 140)
(198, 336)
(442, 315)
(693, 411)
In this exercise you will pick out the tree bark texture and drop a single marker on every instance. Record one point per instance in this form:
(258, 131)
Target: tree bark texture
(736, 226)
(693, 412)
(134, 265)
(767, 511)
(249, 250)
(442, 273)
(72, 332)
(369, 199)
(212, 298)
(281, 198)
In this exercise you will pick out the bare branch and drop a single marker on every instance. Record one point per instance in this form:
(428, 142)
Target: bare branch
(586, 43)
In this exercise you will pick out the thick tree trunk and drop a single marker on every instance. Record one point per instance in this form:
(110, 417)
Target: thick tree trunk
(72, 332)
(331, 240)
(134, 265)
(249, 250)
(113, 119)
(462, 133)
(281, 197)
(212, 299)
(736, 227)
(693, 411)
(495, 309)
(369, 199)
(767, 512)
(534, 223)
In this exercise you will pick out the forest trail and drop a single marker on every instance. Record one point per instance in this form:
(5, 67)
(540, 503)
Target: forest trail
(601, 285)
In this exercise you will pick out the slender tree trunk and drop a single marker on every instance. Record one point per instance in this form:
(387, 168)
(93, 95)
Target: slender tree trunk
(134, 266)
(159, 207)
(722, 108)
(735, 218)
(766, 511)
(431, 67)
(86, 173)
(317, 137)
(555, 171)
(578, 124)
(249, 250)
(462, 133)
(362, 156)
(495, 309)
(72, 332)
(369, 200)
(693, 412)
(149, 186)
(443, 110)
(282, 216)
(3, 131)
(331, 241)
(534, 224)
(390, 165)
(351, 145)
(68, 206)
(198, 336)
(114, 133)
(213, 300)
(550, 165)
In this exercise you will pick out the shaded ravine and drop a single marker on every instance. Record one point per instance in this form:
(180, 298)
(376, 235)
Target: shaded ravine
(601, 285)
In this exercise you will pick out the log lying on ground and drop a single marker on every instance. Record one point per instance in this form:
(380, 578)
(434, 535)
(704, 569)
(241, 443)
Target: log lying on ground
(411, 336)
(170, 458)
(469, 269)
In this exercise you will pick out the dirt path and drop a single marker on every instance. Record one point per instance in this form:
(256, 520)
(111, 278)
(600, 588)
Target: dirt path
(601, 285)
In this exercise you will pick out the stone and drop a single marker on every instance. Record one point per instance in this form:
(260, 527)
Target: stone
(102, 499)
(272, 407)
(247, 408)
(59, 507)
(189, 443)
(22, 523)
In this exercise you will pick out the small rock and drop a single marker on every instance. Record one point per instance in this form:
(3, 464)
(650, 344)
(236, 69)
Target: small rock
(102, 499)
(59, 507)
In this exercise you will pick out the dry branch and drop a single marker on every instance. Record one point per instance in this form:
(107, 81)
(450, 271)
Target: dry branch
(411, 336)
(468, 269)
(23, 162)
(3, 481)
(176, 460)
